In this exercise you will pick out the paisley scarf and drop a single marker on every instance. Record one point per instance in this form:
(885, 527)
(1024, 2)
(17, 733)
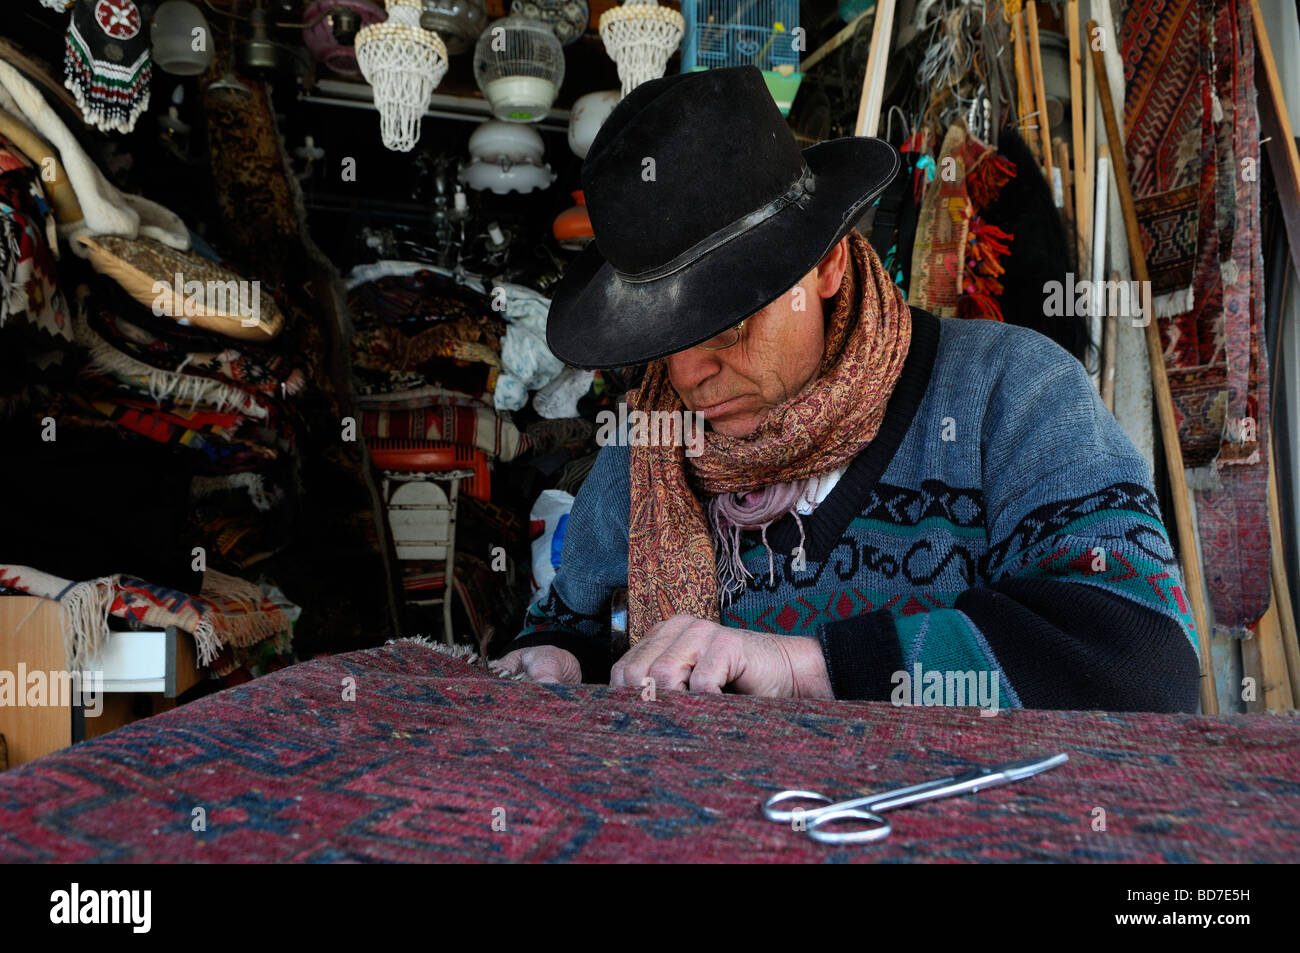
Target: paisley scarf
(672, 560)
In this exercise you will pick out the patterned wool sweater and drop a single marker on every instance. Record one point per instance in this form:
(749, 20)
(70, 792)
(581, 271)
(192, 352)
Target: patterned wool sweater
(1001, 521)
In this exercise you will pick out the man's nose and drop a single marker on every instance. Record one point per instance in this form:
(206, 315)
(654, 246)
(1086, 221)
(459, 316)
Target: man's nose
(690, 368)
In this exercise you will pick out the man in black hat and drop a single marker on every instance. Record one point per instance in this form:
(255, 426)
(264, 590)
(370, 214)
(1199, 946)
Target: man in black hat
(886, 504)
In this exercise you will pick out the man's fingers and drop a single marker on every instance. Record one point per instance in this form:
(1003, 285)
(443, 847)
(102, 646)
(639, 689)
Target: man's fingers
(509, 663)
(546, 664)
(628, 671)
(713, 669)
(542, 667)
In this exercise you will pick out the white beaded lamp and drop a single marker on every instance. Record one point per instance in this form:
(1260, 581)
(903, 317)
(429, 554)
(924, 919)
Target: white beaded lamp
(404, 64)
(639, 36)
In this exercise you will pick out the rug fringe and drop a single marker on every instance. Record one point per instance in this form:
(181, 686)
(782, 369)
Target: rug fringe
(465, 653)
(85, 609)
(1173, 303)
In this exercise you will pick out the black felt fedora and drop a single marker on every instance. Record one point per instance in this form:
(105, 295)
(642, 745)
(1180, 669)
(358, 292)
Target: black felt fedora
(704, 210)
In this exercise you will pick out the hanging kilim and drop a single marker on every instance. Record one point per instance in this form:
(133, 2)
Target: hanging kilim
(1163, 112)
(1173, 154)
(1232, 495)
(106, 58)
(956, 255)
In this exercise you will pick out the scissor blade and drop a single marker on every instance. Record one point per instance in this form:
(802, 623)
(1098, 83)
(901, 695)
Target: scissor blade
(1018, 770)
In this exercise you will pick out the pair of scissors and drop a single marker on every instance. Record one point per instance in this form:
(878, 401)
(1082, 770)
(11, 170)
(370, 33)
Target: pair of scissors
(868, 809)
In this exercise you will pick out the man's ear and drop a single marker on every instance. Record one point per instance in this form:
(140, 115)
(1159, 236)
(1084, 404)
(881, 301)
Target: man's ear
(830, 271)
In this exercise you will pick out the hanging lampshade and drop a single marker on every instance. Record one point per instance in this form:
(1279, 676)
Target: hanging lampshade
(587, 116)
(179, 27)
(639, 37)
(322, 35)
(519, 66)
(458, 22)
(404, 64)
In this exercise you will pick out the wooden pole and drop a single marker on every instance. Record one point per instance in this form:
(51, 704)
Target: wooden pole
(1274, 689)
(1077, 142)
(1281, 591)
(835, 42)
(873, 81)
(1040, 97)
(1097, 272)
(1024, 87)
(1067, 193)
(1163, 398)
(1089, 153)
(1110, 345)
(1275, 125)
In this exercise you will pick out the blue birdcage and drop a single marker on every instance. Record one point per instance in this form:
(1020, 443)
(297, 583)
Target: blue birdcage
(762, 33)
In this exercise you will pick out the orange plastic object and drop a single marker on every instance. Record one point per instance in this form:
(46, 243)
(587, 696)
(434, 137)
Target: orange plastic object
(572, 227)
(433, 456)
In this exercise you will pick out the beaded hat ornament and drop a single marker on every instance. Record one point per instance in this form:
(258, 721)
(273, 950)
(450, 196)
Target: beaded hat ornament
(106, 59)
(639, 36)
(404, 64)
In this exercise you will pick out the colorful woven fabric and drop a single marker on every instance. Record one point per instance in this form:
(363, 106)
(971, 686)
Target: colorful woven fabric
(671, 558)
(432, 751)
(1164, 119)
(131, 329)
(419, 299)
(1232, 501)
(230, 611)
(1183, 203)
(469, 426)
(29, 289)
(387, 347)
(956, 258)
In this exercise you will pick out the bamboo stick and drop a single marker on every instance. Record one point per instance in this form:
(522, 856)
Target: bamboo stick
(1040, 97)
(1164, 401)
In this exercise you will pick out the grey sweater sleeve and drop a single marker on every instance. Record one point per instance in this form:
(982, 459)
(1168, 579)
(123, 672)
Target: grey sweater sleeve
(574, 615)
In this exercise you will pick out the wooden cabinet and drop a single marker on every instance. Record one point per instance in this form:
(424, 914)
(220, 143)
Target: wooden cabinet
(141, 673)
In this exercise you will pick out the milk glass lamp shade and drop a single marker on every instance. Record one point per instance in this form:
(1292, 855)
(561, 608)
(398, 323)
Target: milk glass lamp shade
(586, 117)
(519, 66)
(403, 63)
(182, 43)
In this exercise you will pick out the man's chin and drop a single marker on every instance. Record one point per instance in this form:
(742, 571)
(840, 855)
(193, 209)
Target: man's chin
(741, 425)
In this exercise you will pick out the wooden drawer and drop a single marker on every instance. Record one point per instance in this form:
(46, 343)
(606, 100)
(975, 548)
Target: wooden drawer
(143, 672)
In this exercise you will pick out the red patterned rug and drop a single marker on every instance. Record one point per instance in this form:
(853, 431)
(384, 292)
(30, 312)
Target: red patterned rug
(403, 754)
(1193, 130)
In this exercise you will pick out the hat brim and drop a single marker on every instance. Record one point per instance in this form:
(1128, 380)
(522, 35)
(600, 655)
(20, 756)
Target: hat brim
(599, 320)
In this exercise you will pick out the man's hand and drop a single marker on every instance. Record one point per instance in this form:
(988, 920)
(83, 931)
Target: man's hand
(686, 653)
(545, 664)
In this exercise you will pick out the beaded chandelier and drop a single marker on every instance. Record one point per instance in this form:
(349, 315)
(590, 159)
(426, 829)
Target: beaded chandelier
(639, 36)
(404, 64)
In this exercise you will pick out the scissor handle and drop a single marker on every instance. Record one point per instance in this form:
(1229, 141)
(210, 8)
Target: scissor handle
(773, 813)
(878, 830)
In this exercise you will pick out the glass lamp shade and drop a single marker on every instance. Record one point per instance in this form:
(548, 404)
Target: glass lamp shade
(182, 42)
